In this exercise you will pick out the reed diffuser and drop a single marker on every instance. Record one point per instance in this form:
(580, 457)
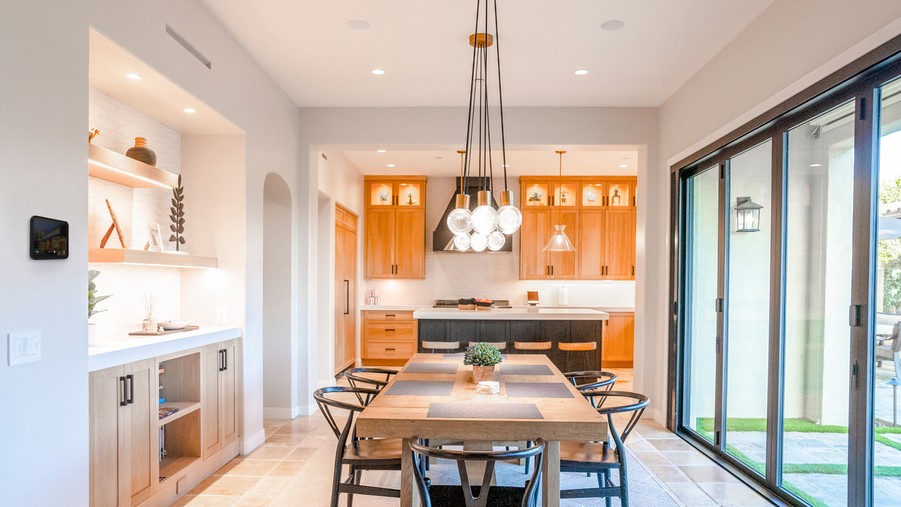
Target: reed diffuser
(148, 325)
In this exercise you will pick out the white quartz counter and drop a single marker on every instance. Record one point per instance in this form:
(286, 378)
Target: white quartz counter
(127, 349)
(511, 314)
(392, 308)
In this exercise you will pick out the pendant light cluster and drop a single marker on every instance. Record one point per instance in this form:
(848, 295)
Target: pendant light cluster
(559, 241)
(483, 227)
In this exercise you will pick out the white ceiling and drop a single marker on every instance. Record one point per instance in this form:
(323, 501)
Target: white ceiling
(310, 51)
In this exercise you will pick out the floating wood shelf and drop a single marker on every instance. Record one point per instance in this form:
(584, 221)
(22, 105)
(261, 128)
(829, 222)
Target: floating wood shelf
(144, 258)
(111, 166)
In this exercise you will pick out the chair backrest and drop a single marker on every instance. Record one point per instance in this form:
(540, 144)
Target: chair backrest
(577, 346)
(367, 377)
(433, 346)
(332, 401)
(637, 404)
(530, 494)
(896, 341)
(532, 345)
(591, 380)
(497, 345)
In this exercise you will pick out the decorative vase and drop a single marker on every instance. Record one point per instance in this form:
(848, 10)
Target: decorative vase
(482, 373)
(141, 152)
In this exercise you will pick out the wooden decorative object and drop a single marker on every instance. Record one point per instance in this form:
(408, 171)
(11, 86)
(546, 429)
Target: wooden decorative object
(115, 225)
(177, 215)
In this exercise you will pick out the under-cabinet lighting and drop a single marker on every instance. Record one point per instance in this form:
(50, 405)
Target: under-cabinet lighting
(129, 174)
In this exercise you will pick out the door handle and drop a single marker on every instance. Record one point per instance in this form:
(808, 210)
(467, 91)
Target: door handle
(221, 361)
(130, 383)
(123, 393)
(224, 359)
(346, 297)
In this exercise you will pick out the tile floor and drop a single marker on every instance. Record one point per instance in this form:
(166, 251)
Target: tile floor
(294, 466)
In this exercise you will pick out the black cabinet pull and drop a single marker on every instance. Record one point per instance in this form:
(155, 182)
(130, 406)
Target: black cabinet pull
(123, 393)
(225, 359)
(221, 360)
(130, 382)
(346, 297)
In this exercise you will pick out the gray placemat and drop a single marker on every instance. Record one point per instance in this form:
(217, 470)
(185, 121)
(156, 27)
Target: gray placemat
(537, 390)
(421, 388)
(458, 355)
(525, 369)
(484, 411)
(437, 368)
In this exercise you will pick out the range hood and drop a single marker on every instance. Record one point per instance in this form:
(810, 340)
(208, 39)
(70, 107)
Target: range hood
(442, 235)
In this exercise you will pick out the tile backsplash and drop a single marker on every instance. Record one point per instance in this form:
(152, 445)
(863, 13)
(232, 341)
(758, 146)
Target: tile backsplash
(492, 275)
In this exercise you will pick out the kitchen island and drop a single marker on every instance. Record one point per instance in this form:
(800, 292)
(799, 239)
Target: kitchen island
(508, 325)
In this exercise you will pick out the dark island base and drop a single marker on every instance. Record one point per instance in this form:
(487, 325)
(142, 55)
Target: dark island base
(509, 331)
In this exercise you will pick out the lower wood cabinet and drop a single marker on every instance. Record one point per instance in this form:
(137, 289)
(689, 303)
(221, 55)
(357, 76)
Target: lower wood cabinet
(388, 338)
(619, 341)
(160, 426)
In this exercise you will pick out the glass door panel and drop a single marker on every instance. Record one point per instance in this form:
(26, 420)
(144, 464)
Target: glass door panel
(748, 310)
(701, 284)
(887, 378)
(820, 165)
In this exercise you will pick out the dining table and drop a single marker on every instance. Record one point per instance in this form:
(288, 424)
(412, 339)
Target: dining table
(434, 397)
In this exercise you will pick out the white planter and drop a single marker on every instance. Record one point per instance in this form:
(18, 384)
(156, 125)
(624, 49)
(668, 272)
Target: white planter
(92, 334)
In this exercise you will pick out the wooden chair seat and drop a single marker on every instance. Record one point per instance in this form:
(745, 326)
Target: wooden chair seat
(577, 346)
(594, 453)
(442, 346)
(378, 449)
(532, 345)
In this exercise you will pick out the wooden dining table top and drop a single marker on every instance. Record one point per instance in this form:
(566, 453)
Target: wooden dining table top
(429, 398)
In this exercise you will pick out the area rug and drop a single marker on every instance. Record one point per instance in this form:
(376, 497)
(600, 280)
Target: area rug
(644, 488)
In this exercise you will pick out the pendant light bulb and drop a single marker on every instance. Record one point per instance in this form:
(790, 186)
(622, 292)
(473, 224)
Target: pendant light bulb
(509, 217)
(559, 241)
(478, 242)
(496, 241)
(459, 221)
(484, 217)
(462, 242)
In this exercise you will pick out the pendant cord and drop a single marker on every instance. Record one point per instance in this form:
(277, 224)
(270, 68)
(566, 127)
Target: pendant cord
(470, 114)
(500, 95)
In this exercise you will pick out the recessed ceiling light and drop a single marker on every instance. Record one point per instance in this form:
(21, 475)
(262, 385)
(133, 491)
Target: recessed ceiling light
(392, 166)
(581, 72)
(381, 151)
(612, 25)
(189, 110)
(358, 25)
(506, 165)
(377, 72)
(816, 165)
(624, 165)
(134, 75)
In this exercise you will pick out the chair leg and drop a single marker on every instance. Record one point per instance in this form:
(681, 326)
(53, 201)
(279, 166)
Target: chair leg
(623, 488)
(355, 480)
(527, 460)
(336, 478)
(605, 480)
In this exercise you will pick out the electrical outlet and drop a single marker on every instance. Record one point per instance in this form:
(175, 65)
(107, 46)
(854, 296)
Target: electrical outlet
(221, 315)
(24, 347)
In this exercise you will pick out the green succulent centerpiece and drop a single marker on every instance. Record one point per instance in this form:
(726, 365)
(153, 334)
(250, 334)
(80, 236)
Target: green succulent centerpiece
(482, 354)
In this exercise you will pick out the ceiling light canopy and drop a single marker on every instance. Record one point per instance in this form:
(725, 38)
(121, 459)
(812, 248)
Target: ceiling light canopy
(484, 226)
(612, 25)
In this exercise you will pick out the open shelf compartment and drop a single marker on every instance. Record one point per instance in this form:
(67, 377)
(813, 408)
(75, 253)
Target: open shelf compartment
(179, 439)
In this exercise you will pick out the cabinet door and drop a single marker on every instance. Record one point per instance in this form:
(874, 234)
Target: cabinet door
(211, 433)
(228, 414)
(108, 444)
(592, 225)
(409, 243)
(349, 293)
(563, 264)
(619, 341)
(142, 417)
(620, 245)
(533, 236)
(379, 243)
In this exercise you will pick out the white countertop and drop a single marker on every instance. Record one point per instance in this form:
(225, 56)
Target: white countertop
(511, 314)
(127, 349)
(411, 308)
(392, 308)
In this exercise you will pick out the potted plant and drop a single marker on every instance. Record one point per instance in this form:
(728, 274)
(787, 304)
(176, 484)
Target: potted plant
(93, 299)
(482, 356)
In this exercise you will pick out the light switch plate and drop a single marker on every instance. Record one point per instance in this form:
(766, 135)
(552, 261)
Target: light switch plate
(24, 347)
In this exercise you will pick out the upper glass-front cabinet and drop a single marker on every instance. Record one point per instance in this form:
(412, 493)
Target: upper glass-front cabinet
(398, 193)
(581, 192)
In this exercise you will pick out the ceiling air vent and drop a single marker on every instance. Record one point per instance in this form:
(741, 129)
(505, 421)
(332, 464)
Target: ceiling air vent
(191, 49)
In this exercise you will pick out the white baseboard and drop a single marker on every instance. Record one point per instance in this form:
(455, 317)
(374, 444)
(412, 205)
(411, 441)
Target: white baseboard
(252, 442)
(280, 413)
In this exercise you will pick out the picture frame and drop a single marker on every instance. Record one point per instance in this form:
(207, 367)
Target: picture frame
(155, 241)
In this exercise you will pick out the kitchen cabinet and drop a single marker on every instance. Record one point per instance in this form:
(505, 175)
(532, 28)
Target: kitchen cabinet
(219, 405)
(394, 231)
(599, 214)
(123, 434)
(345, 289)
(619, 341)
(389, 338)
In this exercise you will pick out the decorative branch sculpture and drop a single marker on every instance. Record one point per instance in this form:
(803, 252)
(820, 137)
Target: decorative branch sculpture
(177, 215)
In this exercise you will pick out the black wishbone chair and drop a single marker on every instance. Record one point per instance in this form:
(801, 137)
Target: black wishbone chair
(357, 453)
(602, 457)
(369, 378)
(592, 381)
(482, 495)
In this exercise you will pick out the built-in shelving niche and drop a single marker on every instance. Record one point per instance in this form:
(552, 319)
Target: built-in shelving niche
(179, 380)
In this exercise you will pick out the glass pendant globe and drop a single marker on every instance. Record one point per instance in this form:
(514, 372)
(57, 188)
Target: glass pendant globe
(459, 221)
(478, 242)
(462, 242)
(484, 220)
(496, 241)
(509, 219)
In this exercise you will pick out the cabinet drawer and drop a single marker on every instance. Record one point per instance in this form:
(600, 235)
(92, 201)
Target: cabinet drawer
(388, 315)
(384, 349)
(390, 331)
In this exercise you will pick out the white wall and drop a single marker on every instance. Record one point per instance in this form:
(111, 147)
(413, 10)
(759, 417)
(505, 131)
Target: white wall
(763, 66)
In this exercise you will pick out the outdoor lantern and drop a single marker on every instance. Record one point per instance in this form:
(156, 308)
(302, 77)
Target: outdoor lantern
(747, 215)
